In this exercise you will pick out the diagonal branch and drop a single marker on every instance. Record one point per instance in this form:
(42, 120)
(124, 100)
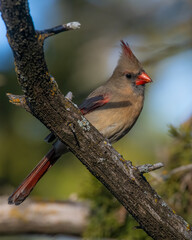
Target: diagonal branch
(57, 113)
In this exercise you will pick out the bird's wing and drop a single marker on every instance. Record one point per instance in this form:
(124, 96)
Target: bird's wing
(92, 103)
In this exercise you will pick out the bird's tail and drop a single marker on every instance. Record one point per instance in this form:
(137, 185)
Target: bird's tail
(23, 191)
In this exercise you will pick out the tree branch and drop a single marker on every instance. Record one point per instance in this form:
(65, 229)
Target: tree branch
(149, 167)
(63, 217)
(20, 100)
(176, 171)
(56, 112)
(42, 35)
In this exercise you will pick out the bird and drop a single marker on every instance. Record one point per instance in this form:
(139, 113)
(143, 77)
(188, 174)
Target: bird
(112, 108)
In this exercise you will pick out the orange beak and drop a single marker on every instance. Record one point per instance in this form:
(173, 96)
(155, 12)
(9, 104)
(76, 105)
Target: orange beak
(143, 78)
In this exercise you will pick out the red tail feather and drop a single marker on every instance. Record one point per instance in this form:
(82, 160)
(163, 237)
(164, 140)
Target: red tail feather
(31, 180)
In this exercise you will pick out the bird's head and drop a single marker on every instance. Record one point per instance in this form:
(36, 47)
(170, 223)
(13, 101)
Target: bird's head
(129, 68)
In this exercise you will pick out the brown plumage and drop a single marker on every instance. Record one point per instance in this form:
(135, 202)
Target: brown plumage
(113, 109)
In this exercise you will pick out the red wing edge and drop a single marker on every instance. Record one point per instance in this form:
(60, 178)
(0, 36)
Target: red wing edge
(92, 103)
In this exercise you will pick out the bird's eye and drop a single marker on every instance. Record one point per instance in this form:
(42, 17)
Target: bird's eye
(128, 75)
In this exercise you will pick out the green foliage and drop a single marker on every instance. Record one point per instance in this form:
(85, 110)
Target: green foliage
(181, 149)
(177, 187)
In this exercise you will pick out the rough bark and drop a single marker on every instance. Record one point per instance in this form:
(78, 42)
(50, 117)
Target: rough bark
(58, 114)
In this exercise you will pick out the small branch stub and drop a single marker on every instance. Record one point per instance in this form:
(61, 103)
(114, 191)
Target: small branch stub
(69, 96)
(149, 167)
(72, 25)
(18, 100)
(42, 35)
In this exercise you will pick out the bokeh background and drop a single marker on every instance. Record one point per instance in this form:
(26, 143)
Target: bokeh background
(160, 34)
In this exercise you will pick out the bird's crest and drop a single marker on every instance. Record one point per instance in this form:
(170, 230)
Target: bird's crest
(128, 59)
(126, 49)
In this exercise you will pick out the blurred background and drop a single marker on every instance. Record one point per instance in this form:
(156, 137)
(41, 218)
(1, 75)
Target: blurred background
(159, 33)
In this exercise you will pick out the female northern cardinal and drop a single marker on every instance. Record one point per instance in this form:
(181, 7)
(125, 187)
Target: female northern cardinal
(112, 109)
